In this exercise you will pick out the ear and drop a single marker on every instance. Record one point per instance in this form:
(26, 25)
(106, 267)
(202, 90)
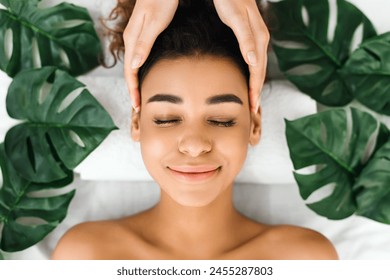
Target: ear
(135, 126)
(255, 132)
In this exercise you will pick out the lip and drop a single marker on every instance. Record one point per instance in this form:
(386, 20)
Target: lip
(194, 173)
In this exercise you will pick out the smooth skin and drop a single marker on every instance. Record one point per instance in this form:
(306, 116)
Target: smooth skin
(151, 17)
(194, 129)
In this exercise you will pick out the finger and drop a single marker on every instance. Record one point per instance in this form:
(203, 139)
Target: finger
(136, 58)
(149, 24)
(255, 85)
(144, 43)
(132, 85)
(130, 35)
(255, 57)
(256, 81)
(242, 30)
(131, 78)
(259, 31)
(258, 72)
(138, 43)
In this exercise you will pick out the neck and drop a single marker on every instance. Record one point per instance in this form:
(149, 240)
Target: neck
(203, 230)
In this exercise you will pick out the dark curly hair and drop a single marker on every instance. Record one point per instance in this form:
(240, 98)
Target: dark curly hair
(195, 30)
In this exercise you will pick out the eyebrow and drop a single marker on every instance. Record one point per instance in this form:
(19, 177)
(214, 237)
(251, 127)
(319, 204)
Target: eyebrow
(165, 98)
(222, 98)
(217, 99)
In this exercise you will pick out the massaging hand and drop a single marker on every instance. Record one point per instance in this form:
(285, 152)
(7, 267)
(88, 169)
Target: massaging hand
(151, 17)
(148, 20)
(244, 18)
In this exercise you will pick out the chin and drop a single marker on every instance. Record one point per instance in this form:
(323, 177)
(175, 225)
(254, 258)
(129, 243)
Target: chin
(193, 200)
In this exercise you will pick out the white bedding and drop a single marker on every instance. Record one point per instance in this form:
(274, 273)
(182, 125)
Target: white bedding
(269, 201)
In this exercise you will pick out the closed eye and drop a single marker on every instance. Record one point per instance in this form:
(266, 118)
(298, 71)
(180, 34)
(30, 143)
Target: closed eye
(170, 122)
(229, 123)
(165, 123)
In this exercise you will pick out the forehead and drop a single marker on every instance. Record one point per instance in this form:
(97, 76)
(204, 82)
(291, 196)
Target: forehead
(195, 77)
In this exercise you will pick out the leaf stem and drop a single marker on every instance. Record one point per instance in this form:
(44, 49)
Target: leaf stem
(33, 27)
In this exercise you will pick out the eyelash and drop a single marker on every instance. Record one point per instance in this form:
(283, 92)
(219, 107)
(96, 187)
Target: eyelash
(165, 123)
(223, 124)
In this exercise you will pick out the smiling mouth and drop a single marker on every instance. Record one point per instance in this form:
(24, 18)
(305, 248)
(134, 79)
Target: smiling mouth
(194, 173)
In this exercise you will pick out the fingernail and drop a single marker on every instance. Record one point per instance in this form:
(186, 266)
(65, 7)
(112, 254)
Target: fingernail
(252, 58)
(256, 107)
(135, 63)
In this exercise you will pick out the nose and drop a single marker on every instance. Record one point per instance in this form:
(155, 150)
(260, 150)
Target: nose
(195, 144)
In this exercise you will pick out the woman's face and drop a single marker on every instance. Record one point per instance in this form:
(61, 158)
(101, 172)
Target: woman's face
(195, 126)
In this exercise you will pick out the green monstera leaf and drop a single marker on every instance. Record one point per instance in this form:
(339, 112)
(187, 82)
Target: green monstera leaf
(61, 36)
(373, 187)
(27, 214)
(367, 73)
(339, 150)
(307, 55)
(62, 124)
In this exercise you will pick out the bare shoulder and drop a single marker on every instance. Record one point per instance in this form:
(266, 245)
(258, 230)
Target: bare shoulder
(79, 242)
(89, 240)
(292, 242)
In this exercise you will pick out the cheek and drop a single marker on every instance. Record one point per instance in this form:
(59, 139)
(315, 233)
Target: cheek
(233, 145)
(153, 143)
